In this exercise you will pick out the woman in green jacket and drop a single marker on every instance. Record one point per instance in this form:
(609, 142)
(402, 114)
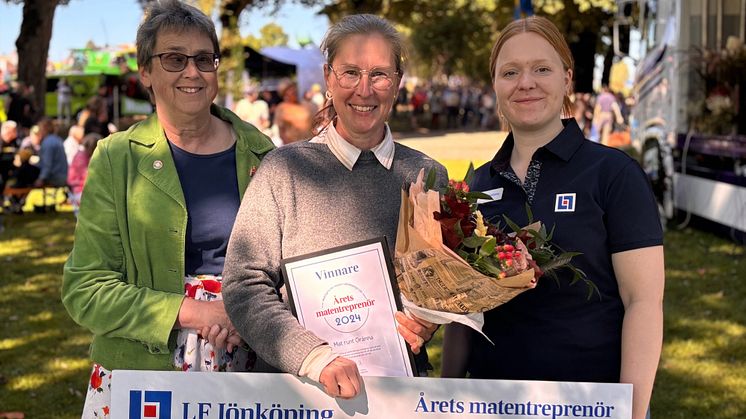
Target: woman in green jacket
(156, 214)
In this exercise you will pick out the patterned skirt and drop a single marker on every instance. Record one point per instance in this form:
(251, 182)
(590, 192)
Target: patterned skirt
(193, 353)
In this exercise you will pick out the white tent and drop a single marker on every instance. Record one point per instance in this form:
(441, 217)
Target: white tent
(308, 61)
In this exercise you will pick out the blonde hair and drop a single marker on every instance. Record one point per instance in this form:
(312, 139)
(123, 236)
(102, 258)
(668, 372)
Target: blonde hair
(362, 24)
(547, 30)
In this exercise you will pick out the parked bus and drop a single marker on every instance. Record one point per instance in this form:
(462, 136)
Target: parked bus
(689, 120)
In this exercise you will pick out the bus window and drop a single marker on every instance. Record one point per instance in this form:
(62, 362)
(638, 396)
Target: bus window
(732, 20)
(649, 26)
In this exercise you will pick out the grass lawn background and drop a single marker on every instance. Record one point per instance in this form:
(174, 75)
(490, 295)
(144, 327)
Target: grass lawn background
(43, 353)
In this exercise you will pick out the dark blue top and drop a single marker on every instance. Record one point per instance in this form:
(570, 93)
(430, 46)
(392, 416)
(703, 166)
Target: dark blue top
(210, 186)
(53, 161)
(600, 202)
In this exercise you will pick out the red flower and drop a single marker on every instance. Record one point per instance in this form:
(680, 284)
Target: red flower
(96, 377)
(447, 227)
(457, 207)
(211, 285)
(190, 290)
(106, 410)
(458, 185)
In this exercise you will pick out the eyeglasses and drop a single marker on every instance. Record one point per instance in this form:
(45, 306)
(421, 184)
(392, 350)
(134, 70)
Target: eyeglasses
(174, 61)
(350, 77)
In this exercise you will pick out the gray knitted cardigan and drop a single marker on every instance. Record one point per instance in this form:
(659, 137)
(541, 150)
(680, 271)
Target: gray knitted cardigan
(301, 200)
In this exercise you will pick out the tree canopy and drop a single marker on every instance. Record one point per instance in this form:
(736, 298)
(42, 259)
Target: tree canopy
(270, 35)
(456, 37)
(445, 37)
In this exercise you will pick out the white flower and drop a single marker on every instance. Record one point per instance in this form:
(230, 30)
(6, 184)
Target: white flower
(718, 104)
(733, 44)
(480, 229)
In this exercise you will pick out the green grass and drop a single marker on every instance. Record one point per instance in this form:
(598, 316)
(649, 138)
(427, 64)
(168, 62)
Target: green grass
(43, 353)
(44, 369)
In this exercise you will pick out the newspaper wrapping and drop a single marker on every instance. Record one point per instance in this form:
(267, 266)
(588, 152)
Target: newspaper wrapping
(432, 276)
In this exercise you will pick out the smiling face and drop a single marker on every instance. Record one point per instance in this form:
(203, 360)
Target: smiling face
(531, 83)
(182, 94)
(362, 110)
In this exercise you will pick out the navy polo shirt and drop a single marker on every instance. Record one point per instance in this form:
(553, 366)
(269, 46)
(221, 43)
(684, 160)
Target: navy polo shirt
(210, 186)
(600, 203)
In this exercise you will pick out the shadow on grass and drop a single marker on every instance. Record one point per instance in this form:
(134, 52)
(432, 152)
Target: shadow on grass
(43, 353)
(703, 366)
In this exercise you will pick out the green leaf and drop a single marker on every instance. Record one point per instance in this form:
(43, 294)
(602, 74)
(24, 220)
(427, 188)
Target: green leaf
(475, 241)
(488, 248)
(551, 233)
(469, 174)
(488, 267)
(430, 182)
(513, 226)
(530, 214)
(591, 288)
(473, 196)
(559, 261)
(458, 230)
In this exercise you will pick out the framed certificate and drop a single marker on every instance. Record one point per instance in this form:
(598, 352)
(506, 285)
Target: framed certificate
(348, 296)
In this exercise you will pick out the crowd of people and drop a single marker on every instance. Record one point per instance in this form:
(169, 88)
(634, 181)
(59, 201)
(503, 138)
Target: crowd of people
(219, 204)
(34, 155)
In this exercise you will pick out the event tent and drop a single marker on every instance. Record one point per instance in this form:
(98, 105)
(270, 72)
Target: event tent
(309, 64)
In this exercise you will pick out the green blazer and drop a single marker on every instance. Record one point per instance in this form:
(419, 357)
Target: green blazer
(124, 280)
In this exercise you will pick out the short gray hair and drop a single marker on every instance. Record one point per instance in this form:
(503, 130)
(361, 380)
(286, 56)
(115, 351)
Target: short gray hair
(362, 24)
(166, 16)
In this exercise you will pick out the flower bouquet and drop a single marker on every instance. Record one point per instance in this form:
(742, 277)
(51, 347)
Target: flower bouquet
(452, 264)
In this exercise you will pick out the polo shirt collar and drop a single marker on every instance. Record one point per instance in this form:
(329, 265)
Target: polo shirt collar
(563, 146)
(347, 154)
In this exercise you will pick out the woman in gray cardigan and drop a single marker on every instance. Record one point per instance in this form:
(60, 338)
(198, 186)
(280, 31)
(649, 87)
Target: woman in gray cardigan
(341, 187)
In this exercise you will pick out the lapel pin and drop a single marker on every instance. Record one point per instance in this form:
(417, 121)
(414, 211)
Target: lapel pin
(157, 165)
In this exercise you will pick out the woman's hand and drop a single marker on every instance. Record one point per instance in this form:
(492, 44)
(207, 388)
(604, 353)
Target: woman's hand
(341, 378)
(222, 337)
(414, 330)
(211, 320)
(195, 314)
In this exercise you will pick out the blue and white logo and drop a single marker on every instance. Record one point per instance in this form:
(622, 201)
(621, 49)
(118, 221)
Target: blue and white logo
(565, 202)
(154, 404)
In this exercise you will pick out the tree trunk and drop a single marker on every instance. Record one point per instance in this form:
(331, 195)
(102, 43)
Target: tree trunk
(231, 50)
(33, 47)
(608, 62)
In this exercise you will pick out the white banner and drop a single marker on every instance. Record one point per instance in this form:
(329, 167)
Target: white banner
(196, 395)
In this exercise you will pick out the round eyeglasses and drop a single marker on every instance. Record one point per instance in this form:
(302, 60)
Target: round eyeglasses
(349, 77)
(174, 61)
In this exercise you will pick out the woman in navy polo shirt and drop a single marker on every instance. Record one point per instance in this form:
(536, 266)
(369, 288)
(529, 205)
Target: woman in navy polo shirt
(600, 203)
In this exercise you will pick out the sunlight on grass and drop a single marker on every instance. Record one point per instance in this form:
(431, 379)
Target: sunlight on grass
(29, 339)
(30, 286)
(68, 364)
(44, 354)
(30, 381)
(51, 260)
(16, 247)
(728, 249)
(41, 317)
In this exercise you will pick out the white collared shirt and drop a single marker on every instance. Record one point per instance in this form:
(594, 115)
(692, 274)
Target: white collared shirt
(348, 154)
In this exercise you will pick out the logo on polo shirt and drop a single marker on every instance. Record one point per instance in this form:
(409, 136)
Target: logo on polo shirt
(154, 404)
(565, 202)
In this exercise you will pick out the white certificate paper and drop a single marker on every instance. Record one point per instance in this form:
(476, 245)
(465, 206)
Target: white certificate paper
(347, 297)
